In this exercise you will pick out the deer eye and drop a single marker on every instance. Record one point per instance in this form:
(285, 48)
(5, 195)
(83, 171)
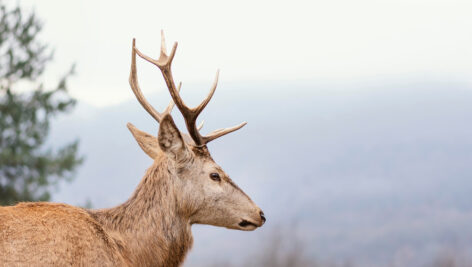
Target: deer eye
(215, 176)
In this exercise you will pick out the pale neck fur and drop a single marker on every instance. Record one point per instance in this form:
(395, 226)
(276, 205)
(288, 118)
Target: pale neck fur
(152, 229)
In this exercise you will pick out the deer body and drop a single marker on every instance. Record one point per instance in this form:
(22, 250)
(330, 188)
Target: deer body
(184, 186)
(144, 231)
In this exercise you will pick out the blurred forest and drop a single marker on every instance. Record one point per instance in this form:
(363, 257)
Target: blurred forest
(29, 169)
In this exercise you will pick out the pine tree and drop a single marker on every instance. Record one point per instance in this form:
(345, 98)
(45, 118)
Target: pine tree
(28, 169)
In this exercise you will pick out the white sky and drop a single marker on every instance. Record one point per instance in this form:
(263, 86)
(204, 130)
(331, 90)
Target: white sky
(254, 41)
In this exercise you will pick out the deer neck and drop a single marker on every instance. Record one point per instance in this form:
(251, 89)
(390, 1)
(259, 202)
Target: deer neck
(149, 224)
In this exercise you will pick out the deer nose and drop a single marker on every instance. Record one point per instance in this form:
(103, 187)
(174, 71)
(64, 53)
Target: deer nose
(263, 218)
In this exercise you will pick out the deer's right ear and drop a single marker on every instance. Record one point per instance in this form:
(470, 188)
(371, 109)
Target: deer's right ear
(146, 141)
(170, 140)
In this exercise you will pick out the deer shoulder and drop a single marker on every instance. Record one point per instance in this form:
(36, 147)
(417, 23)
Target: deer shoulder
(55, 234)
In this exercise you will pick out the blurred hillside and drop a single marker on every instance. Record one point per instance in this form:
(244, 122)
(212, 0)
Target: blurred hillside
(367, 172)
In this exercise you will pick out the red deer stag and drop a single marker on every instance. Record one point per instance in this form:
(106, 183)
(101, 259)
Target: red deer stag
(184, 186)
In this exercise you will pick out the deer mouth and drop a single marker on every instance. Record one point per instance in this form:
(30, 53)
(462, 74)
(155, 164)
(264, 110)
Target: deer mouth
(247, 224)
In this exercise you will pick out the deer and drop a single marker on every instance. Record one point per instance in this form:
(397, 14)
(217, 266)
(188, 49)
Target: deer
(184, 186)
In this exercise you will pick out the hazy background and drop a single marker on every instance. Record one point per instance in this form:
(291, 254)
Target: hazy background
(359, 139)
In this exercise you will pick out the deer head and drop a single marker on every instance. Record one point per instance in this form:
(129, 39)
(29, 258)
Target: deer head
(205, 193)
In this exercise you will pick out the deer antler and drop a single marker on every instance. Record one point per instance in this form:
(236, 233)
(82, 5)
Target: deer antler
(133, 82)
(190, 114)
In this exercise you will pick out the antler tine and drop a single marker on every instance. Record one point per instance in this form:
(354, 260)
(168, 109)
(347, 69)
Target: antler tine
(200, 126)
(205, 102)
(164, 61)
(220, 132)
(172, 103)
(163, 44)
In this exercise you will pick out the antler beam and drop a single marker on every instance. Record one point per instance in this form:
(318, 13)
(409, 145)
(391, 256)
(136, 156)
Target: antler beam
(190, 115)
(133, 82)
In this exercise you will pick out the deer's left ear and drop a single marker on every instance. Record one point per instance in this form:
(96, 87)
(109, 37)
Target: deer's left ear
(170, 140)
(147, 142)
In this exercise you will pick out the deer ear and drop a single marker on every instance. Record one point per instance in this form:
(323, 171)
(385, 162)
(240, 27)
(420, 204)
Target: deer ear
(170, 140)
(147, 142)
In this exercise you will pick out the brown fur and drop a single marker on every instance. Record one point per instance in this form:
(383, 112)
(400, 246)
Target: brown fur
(55, 234)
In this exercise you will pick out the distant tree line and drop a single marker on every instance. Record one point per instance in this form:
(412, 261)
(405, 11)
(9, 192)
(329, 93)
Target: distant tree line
(284, 248)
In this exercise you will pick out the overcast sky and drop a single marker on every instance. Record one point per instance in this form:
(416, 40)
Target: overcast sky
(335, 40)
